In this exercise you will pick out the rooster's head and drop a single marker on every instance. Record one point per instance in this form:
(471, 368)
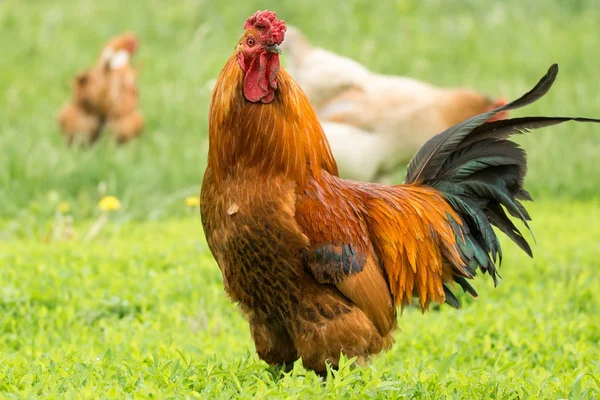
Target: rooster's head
(258, 55)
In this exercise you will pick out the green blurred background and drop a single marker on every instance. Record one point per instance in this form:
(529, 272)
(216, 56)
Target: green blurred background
(500, 48)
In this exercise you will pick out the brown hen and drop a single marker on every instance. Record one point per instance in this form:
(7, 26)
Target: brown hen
(105, 96)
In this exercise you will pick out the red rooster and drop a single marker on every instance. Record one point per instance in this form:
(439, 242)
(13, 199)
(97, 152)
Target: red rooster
(318, 264)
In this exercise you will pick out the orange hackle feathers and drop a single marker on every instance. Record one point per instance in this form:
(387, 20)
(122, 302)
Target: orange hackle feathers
(241, 133)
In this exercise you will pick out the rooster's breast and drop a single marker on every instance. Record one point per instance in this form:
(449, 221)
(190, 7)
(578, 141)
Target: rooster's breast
(250, 228)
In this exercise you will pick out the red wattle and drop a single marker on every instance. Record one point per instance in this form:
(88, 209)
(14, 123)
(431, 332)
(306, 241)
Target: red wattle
(260, 81)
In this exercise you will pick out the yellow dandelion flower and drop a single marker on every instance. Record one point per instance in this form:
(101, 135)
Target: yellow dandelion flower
(193, 201)
(109, 203)
(63, 207)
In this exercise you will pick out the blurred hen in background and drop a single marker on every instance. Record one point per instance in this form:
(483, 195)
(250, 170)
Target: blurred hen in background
(375, 122)
(105, 96)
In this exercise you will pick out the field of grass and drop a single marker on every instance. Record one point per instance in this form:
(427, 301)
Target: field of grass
(139, 310)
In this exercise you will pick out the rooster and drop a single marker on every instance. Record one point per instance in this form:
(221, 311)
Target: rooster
(105, 96)
(319, 264)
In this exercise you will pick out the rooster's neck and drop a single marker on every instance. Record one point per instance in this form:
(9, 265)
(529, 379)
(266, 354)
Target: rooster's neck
(283, 137)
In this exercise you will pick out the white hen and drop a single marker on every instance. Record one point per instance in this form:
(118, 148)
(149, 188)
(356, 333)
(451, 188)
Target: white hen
(375, 122)
(321, 73)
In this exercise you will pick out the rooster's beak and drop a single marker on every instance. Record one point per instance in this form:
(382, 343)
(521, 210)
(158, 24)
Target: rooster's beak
(273, 49)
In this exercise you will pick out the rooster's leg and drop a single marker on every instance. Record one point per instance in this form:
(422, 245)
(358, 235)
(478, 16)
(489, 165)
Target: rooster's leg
(273, 344)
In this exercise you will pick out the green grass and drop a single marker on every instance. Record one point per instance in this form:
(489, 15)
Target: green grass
(139, 311)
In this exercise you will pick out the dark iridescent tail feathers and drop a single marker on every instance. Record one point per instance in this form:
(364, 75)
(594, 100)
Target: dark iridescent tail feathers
(480, 172)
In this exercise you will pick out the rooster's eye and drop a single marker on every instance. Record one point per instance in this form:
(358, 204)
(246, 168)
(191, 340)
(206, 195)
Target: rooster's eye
(250, 42)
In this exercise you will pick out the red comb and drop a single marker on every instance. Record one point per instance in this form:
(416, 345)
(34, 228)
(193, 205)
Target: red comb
(270, 29)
